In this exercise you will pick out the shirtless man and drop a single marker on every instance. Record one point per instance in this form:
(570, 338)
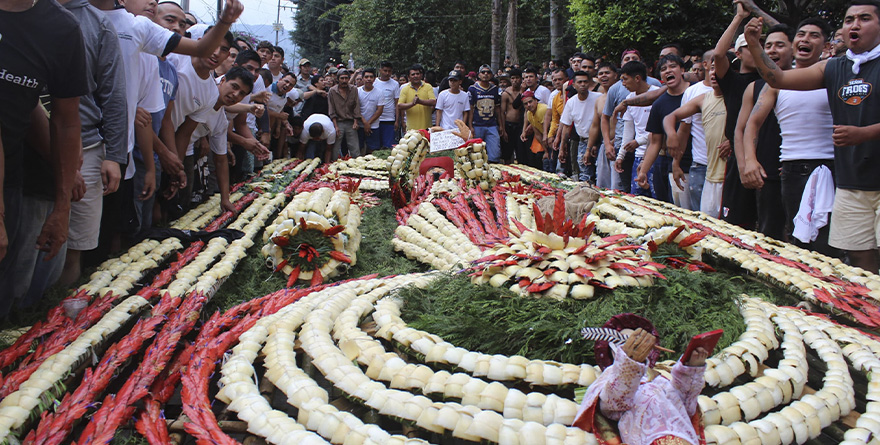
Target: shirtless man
(513, 119)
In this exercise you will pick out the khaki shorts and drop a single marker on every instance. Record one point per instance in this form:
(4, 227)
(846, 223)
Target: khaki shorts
(85, 214)
(855, 220)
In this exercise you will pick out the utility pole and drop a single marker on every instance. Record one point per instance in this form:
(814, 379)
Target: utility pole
(278, 26)
(219, 8)
(184, 4)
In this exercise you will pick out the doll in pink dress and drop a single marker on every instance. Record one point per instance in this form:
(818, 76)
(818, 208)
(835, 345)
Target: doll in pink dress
(649, 408)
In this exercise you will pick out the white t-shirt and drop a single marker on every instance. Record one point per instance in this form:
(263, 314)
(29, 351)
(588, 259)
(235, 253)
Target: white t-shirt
(542, 93)
(552, 94)
(150, 96)
(329, 130)
(639, 117)
(390, 91)
(580, 112)
(195, 96)
(370, 101)
(805, 125)
(274, 77)
(453, 107)
(259, 87)
(276, 102)
(215, 127)
(136, 35)
(698, 136)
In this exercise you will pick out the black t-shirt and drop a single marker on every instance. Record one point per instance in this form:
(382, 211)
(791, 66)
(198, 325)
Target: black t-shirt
(853, 101)
(733, 85)
(769, 139)
(662, 107)
(40, 48)
(316, 104)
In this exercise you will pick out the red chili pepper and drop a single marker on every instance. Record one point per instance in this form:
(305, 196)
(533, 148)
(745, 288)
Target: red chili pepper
(539, 218)
(539, 287)
(281, 240)
(317, 278)
(589, 229)
(671, 237)
(692, 239)
(339, 256)
(293, 277)
(584, 272)
(579, 250)
(334, 230)
(280, 265)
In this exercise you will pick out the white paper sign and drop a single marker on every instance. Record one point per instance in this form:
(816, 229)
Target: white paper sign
(445, 140)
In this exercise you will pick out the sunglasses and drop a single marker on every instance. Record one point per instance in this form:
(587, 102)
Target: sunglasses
(485, 72)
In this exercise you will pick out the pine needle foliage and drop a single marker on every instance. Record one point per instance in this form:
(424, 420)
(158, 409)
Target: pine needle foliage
(252, 279)
(377, 254)
(495, 321)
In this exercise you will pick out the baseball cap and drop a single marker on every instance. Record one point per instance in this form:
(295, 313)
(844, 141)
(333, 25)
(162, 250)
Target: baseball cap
(197, 31)
(485, 67)
(528, 93)
(304, 62)
(740, 42)
(455, 74)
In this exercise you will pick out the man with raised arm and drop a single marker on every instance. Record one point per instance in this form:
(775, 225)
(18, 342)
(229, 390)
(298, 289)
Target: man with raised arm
(855, 112)
(769, 194)
(738, 204)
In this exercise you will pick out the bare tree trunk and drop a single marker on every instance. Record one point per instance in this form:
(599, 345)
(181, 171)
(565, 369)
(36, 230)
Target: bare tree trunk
(496, 34)
(554, 30)
(510, 41)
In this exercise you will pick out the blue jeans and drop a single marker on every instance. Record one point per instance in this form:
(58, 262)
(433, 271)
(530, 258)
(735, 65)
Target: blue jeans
(583, 172)
(605, 173)
(371, 142)
(636, 190)
(386, 134)
(548, 164)
(489, 135)
(662, 189)
(696, 178)
(143, 210)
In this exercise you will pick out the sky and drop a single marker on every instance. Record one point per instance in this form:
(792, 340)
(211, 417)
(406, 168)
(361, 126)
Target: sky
(257, 19)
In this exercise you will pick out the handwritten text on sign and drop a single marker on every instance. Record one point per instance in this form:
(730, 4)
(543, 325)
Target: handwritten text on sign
(445, 140)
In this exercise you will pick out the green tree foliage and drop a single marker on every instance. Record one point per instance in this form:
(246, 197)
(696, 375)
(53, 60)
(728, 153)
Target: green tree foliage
(436, 33)
(792, 12)
(316, 27)
(533, 39)
(610, 26)
(431, 32)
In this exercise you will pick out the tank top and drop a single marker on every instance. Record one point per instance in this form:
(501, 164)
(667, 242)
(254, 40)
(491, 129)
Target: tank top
(853, 101)
(805, 124)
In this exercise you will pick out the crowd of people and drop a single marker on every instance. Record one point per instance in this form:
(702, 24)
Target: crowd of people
(124, 113)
